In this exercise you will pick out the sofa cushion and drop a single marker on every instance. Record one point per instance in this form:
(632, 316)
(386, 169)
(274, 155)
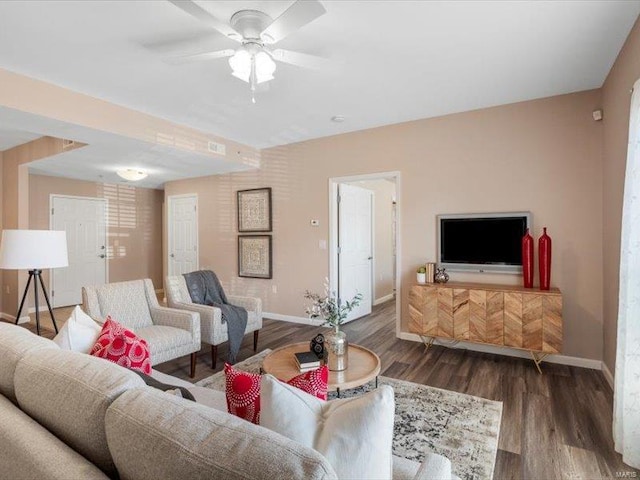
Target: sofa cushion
(15, 342)
(354, 434)
(127, 302)
(68, 393)
(30, 451)
(120, 345)
(196, 442)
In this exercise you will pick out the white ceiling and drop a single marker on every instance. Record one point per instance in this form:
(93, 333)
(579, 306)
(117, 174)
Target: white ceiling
(389, 61)
(10, 138)
(106, 153)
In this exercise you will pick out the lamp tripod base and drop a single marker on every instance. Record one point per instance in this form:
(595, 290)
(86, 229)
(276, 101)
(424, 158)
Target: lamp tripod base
(36, 276)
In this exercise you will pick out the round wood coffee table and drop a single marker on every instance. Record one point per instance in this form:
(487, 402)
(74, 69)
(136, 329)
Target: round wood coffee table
(363, 366)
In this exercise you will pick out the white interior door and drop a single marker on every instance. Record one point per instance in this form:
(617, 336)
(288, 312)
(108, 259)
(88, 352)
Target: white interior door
(183, 234)
(84, 220)
(355, 246)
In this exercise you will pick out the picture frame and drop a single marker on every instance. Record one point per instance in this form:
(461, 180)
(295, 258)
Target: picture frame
(255, 256)
(254, 210)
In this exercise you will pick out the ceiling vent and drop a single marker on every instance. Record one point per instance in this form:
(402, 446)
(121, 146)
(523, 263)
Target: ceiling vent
(218, 148)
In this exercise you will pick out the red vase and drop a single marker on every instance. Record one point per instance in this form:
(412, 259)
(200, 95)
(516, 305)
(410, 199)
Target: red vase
(527, 259)
(544, 259)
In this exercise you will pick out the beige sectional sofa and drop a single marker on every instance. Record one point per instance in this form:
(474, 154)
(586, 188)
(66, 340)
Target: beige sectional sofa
(67, 415)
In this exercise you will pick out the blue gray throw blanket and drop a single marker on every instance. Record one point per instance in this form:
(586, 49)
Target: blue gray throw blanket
(205, 289)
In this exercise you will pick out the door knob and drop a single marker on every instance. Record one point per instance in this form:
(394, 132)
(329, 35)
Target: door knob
(369, 258)
(101, 256)
(172, 255)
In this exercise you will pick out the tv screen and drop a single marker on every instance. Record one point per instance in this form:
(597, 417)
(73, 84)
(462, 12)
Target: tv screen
(482, 242)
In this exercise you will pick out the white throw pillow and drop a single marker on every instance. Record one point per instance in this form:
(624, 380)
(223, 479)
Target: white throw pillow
(354, 434)
(80, 332)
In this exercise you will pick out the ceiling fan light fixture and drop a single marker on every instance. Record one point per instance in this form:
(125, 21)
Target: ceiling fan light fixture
(242, 63)
(132, 174)
(265, 67)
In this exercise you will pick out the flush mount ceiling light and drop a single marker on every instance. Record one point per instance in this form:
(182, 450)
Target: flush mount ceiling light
(254, 61)
(132, 174)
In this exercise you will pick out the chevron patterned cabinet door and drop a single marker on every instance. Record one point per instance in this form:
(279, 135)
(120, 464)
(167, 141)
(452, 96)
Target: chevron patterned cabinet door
(445, 312)
(532, 322)
(478, 316)
(461, 313)
(552, 324)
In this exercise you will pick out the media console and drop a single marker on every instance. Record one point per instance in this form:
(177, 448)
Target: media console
(500, 315)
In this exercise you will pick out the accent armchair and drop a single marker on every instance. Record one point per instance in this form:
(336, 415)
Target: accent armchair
(214, 332)
(170, 333)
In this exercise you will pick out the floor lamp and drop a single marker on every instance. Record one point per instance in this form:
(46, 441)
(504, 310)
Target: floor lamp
(34, 250)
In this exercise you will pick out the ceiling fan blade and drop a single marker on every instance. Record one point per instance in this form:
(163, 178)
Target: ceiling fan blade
(293, 18)
(198, 57)
(299, 59)
(205, 17)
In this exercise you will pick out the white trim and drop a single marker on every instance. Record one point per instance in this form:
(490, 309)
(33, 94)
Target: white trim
(291, 318)
(12, 318)
(511, 352)
(169, 224)
(607, 375)
(333, 230)
(105, 201)
(380, 300)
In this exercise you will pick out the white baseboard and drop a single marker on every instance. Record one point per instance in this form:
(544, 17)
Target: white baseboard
(560, 359)
(607, 375)
(292, 318)
(12, 318)
(386, 298)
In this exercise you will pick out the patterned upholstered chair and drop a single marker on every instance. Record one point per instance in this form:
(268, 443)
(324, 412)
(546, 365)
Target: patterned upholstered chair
(214, 332)
(170, 333)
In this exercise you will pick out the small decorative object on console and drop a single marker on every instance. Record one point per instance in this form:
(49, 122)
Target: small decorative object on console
(527, 259)
(317, 346)
(441, 276)
(334, 312)
(421, 275)
(431, 271)
(544, 259)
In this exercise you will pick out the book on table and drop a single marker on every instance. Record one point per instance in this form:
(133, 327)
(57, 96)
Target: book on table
(307, 361)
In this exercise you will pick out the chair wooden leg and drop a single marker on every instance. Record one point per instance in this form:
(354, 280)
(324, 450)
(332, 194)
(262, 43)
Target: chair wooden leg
(255, 340)
(193, 364)
(214, 356)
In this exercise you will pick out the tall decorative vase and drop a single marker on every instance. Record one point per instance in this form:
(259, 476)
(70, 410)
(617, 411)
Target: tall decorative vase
(544, 259)
(336, 347)
(527, 259)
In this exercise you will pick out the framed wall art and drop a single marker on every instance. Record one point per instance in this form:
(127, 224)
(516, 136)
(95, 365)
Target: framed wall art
(254, 210)
(254, 256)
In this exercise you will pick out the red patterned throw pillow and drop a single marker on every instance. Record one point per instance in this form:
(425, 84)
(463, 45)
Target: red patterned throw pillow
(120, 345)
(243, 390)
(243, 393)
(313, 382)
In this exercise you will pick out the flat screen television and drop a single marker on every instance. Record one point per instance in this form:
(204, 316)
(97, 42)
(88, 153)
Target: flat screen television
(482, 242)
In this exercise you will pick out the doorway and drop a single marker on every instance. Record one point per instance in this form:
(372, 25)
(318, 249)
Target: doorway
(364, 247)
(85, 221)
(182, 234)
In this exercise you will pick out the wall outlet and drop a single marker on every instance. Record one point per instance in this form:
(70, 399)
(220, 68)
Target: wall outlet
(274, 288)
(322, 244)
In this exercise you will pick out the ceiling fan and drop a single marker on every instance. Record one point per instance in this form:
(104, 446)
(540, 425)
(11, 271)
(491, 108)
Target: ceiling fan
(253, 62)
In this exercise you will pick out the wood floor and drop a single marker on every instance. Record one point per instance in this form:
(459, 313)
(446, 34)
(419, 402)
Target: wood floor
(554, 426)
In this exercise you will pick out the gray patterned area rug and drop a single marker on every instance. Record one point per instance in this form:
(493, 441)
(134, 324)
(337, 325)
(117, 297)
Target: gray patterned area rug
(461, 427)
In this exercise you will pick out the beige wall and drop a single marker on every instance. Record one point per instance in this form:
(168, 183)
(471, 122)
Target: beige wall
(616, 96)
(383, 195)
(544, 156)
(134, 231)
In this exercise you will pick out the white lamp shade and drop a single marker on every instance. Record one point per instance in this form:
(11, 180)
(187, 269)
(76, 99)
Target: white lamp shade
(33, 249)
